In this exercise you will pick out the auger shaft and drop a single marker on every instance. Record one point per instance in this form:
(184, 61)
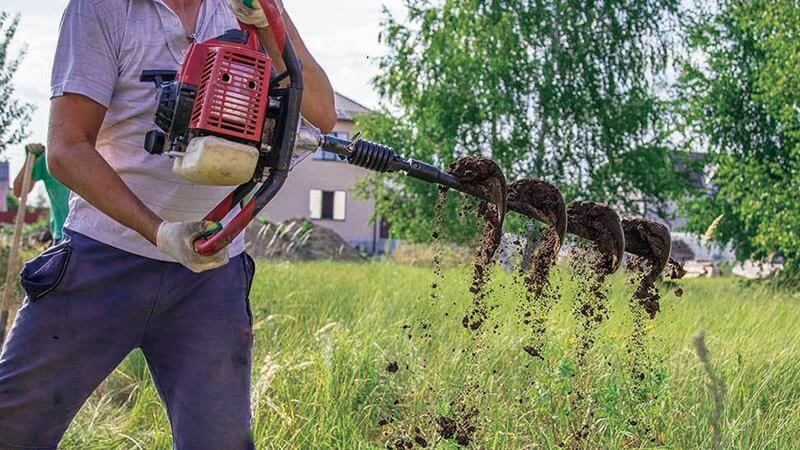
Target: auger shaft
(381, 158)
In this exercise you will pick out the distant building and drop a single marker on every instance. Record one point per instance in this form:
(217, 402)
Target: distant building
(5, 180)
(321, 189)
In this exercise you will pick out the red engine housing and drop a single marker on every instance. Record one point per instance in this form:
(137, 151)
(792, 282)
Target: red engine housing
(232, 86)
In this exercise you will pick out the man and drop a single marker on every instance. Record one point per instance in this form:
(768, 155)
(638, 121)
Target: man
(56, 192)
(126, 275)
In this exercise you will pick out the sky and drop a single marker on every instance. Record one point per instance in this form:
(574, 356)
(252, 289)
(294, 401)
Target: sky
(342, 36)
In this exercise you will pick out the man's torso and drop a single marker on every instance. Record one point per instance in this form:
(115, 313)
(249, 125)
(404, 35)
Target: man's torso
(147, 35)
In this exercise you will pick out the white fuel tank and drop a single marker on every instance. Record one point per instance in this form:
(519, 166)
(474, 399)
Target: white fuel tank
(214, 161)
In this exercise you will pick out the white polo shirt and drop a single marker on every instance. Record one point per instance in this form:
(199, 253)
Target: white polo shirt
(103, 47)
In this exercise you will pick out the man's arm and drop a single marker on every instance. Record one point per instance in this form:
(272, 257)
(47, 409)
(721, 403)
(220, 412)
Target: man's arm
(318, 105)
(18, 183)
(73, 160)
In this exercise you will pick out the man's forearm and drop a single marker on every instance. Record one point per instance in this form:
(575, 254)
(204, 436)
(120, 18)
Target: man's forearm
(318, 105)
(97, 183)
(18, 182)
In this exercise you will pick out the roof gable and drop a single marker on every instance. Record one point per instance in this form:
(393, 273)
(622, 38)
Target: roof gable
(348, 109)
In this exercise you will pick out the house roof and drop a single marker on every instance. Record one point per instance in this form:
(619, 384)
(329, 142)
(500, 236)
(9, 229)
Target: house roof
(348, 109)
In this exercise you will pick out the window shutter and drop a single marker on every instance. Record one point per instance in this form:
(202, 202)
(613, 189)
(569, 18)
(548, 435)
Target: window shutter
(315, 203)
(339, 205)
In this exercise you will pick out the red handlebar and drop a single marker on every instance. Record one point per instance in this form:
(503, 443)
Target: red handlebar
(218, 241)
(275, 21)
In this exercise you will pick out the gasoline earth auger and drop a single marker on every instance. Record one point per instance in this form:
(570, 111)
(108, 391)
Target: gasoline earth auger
(228, 119)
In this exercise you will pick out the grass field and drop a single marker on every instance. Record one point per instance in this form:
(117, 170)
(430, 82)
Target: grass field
(325, 334)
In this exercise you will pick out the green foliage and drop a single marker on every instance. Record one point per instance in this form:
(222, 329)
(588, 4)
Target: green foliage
(325, 333)
(14, 115)
(12, 203)
(740, 91)
(548, 88)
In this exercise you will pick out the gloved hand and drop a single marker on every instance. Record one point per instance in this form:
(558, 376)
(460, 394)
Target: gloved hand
(250, 12)
(35, 149)
(177, 240)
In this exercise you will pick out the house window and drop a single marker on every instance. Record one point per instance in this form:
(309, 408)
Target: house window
(327, 205)
(384, 229)
(322, 155)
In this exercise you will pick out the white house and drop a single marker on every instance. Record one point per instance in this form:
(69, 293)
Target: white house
(321, 189)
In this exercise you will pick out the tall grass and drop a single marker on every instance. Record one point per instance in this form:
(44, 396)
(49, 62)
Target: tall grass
(326, 332)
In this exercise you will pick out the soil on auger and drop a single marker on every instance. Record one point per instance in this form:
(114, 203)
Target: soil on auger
(649, 245)
(539, 199)
(483, 178)
(595, 222)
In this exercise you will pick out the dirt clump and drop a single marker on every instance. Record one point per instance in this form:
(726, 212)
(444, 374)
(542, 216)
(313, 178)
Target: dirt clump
(297, 240)
(600, 225)
(393, 367)
(459, 430)
(484, 179)
(649, 244)
(674, 270)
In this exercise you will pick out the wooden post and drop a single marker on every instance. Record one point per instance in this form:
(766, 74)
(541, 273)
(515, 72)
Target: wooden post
(10, 284)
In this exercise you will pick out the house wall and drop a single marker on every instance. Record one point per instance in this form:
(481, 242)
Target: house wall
(292, 201)
(4, 185)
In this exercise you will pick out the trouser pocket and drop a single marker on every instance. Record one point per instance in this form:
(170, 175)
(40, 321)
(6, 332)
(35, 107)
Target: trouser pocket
(249, 267)
(44, 273)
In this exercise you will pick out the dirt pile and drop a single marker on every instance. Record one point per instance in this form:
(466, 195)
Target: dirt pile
(297, 240)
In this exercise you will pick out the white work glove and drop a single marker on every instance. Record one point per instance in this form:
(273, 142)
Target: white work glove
(35, 149)
(177, 241)
(250, 12)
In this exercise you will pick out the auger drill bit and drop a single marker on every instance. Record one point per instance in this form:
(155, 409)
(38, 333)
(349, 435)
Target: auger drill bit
(601, 225)
(541, 201)
(650, 244)
(649, 240)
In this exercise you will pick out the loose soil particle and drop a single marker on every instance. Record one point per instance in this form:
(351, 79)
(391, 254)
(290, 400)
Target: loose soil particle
(481, 178)
(589, 272)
